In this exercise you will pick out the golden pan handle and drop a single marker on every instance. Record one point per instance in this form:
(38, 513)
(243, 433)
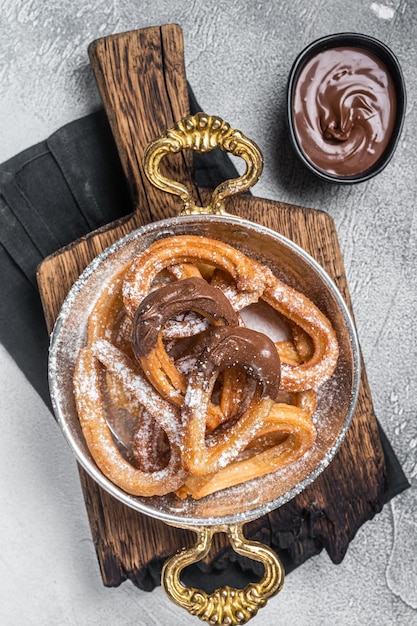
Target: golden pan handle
(202, 133)
(225, 606)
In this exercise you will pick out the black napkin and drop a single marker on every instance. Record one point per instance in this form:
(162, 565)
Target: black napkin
(54, 193)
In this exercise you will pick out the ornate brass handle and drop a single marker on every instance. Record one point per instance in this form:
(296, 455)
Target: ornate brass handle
(225, 606)
(203, 133)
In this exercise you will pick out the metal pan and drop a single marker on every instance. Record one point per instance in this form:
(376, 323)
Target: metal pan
(227, 510)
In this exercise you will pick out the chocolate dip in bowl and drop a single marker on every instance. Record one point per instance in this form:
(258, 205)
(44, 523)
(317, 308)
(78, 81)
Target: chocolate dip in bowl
(346, 106)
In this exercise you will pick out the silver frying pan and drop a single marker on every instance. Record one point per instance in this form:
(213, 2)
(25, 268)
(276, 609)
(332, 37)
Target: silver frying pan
(228, 510)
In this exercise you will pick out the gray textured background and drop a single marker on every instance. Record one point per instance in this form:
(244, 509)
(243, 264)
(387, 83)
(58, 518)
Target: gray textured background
(238, 55)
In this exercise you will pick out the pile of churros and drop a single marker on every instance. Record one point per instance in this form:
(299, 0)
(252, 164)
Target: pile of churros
(210, 402)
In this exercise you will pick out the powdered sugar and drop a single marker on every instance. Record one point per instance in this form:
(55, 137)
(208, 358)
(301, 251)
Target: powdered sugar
(133, 381)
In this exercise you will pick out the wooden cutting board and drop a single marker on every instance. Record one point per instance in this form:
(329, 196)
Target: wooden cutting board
(142, 81)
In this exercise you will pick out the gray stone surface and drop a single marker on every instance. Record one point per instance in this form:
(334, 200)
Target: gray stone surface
(238, 55)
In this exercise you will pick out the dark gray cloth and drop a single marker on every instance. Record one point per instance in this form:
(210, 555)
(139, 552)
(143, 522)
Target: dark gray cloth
(54, 193)
(50, 194)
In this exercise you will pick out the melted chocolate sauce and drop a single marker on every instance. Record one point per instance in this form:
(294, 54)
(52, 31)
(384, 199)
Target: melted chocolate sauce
(182, 296)
(220, 347)
(226, 347)
(344, 110)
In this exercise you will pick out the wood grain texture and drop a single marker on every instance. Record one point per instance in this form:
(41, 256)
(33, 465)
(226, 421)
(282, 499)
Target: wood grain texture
(141, 78)
(149, 64)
